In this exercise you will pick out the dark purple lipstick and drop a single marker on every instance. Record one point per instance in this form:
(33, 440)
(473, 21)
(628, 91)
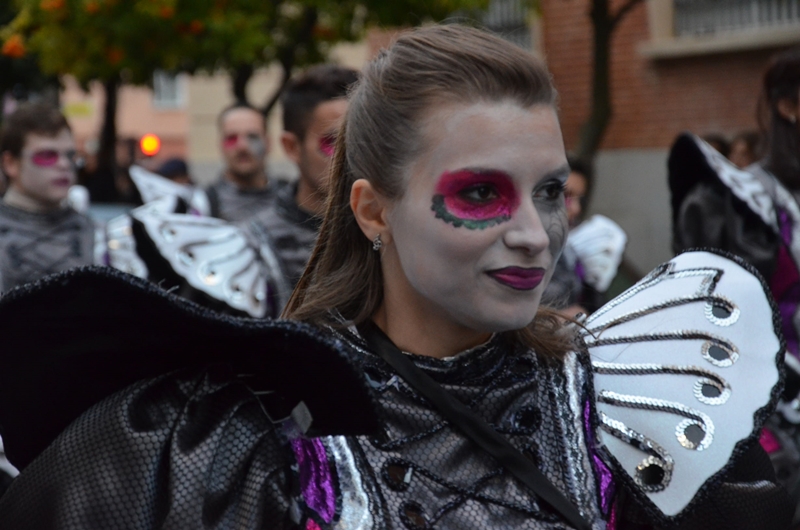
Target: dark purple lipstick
(519, 278)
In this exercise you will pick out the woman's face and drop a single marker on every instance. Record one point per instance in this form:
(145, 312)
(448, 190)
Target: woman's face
(482, 221)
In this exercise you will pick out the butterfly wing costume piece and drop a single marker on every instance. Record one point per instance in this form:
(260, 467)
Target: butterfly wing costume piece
(171, 241)
(106, 330)
(687, 367)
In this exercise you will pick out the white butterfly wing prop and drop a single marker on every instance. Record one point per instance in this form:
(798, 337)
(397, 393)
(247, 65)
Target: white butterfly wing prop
(120, 245)
(210, 255)
(153, 187)
(686, 367)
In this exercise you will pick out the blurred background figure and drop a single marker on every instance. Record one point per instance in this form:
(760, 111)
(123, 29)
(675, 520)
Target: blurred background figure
(592, 255)
(744, 149)
(314, 104)
(40, 233)
(176, 170)
(754, 213)
(718, 142)
(244, 188)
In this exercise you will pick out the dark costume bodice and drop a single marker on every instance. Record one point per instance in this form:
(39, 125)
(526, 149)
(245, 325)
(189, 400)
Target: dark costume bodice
(33, 245)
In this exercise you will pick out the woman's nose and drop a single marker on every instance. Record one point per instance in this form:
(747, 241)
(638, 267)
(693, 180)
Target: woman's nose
(527, 231)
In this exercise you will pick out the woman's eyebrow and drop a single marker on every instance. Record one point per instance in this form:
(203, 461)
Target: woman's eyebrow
(561, 173)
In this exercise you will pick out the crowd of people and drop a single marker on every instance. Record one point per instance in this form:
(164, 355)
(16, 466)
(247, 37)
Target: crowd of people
(432, 345)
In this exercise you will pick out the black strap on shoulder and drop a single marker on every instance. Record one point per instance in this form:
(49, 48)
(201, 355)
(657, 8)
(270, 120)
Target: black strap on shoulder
(475, 428)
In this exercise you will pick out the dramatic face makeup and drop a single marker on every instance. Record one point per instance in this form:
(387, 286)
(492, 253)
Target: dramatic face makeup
(244, 143)
(47, 168)
(475, 199)
(482, 221)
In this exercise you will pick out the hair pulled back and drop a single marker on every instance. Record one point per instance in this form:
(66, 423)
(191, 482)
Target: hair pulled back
(381, 136)
(781, 81)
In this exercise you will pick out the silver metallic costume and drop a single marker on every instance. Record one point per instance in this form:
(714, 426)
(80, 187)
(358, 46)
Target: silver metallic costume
(33, 245)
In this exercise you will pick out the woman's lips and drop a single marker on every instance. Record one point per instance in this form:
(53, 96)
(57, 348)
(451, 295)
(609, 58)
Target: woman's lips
(519, 278)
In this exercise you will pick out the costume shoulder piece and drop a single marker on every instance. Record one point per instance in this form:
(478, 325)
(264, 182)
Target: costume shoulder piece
(107, 330)
(691, 160)
(687, 366)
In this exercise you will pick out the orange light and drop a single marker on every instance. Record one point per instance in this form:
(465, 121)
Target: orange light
(150, 144)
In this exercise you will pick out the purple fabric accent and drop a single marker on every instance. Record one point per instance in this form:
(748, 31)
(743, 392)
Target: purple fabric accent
(608, 488)
(580, 271)
(785, 285)
(312, 525)
(316, 482)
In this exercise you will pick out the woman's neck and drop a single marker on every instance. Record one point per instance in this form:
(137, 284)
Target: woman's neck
(426, 334)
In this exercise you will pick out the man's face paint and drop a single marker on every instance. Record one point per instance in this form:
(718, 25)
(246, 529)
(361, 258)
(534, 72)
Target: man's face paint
(244, 143)
(475, 200)
(482, 220)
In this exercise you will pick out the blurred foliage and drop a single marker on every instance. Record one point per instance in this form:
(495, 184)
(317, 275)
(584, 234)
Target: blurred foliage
(129, 39)
(19, 70)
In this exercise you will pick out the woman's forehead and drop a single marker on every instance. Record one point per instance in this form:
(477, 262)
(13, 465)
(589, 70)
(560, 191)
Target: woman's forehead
(501, 136)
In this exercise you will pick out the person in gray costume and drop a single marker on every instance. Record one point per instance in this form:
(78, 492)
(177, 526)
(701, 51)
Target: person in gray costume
(40, 233)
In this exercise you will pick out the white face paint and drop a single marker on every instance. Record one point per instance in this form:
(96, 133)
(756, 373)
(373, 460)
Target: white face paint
(482, 221)
(45, 169)
(244, 143)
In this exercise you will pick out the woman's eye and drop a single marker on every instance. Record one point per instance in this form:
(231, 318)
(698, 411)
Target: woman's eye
(550, 192)
(481, 193)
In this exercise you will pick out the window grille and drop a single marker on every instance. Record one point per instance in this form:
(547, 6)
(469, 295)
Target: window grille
(167, 90)
(706, 17)
(509, 19)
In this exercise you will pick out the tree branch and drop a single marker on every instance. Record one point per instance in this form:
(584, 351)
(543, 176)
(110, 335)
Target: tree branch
(624, 10)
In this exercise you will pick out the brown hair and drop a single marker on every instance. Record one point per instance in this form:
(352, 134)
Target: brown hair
(30, 118)
(378, 139)
(781, 81)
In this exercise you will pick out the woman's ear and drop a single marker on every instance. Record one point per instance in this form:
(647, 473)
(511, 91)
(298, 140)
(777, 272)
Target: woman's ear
(369, 209)
(789, 109)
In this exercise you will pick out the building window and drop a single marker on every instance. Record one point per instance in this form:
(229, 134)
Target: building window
(168, 90)
(705, 17)
(509, 19)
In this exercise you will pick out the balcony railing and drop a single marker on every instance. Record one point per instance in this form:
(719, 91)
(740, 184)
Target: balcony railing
(509, 19)
(706, 17)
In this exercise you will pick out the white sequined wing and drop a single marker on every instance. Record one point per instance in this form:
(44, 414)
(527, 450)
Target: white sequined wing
(685, 368)
(211, 255)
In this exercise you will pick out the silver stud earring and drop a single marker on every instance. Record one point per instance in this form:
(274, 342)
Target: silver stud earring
(377, 243)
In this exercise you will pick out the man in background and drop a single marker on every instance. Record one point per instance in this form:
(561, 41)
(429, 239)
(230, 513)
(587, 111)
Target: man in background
(244, 188)
(40, 233)
(314, 104)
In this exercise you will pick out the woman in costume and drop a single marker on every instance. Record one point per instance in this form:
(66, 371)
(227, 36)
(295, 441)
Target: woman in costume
(445, 219)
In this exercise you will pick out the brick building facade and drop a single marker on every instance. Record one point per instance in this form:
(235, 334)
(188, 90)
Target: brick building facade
(661, 83)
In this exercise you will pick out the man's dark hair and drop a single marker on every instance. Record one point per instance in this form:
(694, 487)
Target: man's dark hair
(718, 142)
(236, 106)
(305, 92)
(580, 166)
(30, 118)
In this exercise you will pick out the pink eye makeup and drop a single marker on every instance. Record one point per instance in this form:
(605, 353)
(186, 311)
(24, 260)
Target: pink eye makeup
(50, 157)
(475, 199)
(327, 144)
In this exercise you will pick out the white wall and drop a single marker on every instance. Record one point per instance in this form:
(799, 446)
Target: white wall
(631, 188)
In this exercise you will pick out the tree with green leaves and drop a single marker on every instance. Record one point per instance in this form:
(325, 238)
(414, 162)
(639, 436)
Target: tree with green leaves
(116, 41)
